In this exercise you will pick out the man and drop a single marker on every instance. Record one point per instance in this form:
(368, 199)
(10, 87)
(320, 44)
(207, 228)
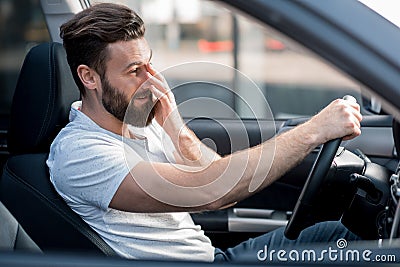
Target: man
(135, 182)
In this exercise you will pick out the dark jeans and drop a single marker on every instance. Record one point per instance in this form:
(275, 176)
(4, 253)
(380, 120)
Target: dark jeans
(267, 246)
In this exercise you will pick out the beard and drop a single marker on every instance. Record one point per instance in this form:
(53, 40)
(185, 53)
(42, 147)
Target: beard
(117, 105)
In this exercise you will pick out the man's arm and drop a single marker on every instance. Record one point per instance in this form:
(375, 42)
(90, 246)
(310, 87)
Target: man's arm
(163, 187)
(191, 151)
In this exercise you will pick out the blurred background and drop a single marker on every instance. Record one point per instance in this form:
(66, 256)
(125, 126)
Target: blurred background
(238, 51)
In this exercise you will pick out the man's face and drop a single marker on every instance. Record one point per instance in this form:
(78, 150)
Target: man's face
(125, 73)
(116, 103)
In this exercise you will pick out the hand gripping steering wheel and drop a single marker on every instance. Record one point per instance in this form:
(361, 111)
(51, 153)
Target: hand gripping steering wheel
(302, 216)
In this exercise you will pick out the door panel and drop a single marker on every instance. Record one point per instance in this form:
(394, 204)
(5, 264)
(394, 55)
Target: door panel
(228, 135)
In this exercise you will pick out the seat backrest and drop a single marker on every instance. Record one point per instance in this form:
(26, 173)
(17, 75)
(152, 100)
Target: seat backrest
(40, 108)
(42, 99)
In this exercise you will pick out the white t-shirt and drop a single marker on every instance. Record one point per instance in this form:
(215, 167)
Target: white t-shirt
(87, 165)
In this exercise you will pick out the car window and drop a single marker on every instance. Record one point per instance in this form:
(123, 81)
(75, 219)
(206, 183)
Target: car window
(200, 44)
(22, 25)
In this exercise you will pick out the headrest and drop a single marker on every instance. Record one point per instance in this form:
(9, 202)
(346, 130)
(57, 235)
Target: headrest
(42, 99)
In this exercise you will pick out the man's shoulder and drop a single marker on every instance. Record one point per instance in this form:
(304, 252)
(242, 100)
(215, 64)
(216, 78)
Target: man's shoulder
(76, 136)
(79, 135)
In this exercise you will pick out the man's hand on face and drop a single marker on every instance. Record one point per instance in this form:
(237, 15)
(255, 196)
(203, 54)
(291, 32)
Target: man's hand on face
(166, 111)
(341, 118)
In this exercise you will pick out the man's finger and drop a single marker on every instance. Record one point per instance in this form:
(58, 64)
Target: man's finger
(155, 73)
(160, 86)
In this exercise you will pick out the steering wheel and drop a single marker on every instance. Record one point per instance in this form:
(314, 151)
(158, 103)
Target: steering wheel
(302, 216)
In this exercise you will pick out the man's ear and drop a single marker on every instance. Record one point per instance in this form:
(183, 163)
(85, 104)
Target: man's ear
(88, 76)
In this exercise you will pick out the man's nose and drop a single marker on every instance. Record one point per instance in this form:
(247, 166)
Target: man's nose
(143, 76)
(144, 83)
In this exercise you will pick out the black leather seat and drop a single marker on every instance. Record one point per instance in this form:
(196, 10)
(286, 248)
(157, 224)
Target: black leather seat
(40, 108)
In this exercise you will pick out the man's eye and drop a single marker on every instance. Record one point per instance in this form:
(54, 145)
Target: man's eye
(133, 71)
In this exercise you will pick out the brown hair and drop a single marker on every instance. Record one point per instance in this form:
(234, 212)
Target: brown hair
(87, 34)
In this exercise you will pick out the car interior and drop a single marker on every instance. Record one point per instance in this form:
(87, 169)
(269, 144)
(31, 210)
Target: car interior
(354, 181)
(12, 236)
(45, 90)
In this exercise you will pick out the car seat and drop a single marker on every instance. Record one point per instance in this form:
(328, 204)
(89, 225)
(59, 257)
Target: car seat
(40, 108)
(12, 235)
